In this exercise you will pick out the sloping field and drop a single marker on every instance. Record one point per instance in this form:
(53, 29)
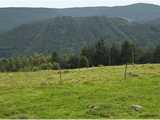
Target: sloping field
(86, 93)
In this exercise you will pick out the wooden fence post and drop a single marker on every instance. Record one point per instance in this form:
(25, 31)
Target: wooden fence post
(125, 71)
(60, 73)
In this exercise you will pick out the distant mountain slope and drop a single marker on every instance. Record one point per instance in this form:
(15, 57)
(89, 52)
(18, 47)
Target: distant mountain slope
(69, 34)
(13, 17)
(62, 34)
(135, 12)
(153, 22)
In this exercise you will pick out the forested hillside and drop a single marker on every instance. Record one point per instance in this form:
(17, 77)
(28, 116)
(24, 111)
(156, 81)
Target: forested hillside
(62, 34)
(70, 34)
(13, 17)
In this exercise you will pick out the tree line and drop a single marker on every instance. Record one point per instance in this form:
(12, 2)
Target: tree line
(98, 54)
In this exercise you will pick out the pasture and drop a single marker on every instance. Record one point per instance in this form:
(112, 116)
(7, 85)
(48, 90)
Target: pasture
(98, 92)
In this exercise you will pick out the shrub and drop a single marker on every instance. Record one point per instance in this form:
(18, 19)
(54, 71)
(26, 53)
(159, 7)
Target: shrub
(84, 61)
(55, 66)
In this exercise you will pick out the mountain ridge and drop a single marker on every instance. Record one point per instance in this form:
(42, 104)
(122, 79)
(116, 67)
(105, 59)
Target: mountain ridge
(134, 4)
(14, 17)
(70, 34)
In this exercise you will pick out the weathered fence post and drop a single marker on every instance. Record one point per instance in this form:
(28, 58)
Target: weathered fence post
(125, 71)
(60, 73)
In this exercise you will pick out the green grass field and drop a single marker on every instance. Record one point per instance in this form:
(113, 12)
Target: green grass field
(86, 93)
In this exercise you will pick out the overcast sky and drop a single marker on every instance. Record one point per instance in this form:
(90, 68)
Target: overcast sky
(70, 3)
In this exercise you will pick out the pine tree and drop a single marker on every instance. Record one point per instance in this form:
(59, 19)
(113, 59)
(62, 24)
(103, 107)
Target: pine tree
(157, 55)
(101, 54)
(114, 55)
(84, 61)
(73, 61)
(54, 57)
(89, 53)
(126, 52)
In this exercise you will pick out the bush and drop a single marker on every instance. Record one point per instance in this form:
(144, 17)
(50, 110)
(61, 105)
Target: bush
(35, 68)
(55, 66)
(84, 61)
(46, 66)
(100, 65)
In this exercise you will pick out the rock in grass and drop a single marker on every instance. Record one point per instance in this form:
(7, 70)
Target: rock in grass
(93, 107)
(136, 107)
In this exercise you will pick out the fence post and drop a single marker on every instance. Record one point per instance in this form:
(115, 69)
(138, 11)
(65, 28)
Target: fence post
(125, 71)
(60, 73)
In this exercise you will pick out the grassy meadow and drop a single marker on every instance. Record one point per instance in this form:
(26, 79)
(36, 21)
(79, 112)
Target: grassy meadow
(98, 92)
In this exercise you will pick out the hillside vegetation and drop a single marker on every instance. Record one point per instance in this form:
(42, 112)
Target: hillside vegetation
(70, 34)
(62, 34)
(13, 17)
(98, 92)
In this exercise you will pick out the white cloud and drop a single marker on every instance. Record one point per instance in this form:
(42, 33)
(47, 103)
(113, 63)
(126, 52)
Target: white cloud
(70, 3)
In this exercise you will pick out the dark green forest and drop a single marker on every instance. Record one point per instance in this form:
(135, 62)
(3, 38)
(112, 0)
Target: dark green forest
(99, 54)
(70, 34)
